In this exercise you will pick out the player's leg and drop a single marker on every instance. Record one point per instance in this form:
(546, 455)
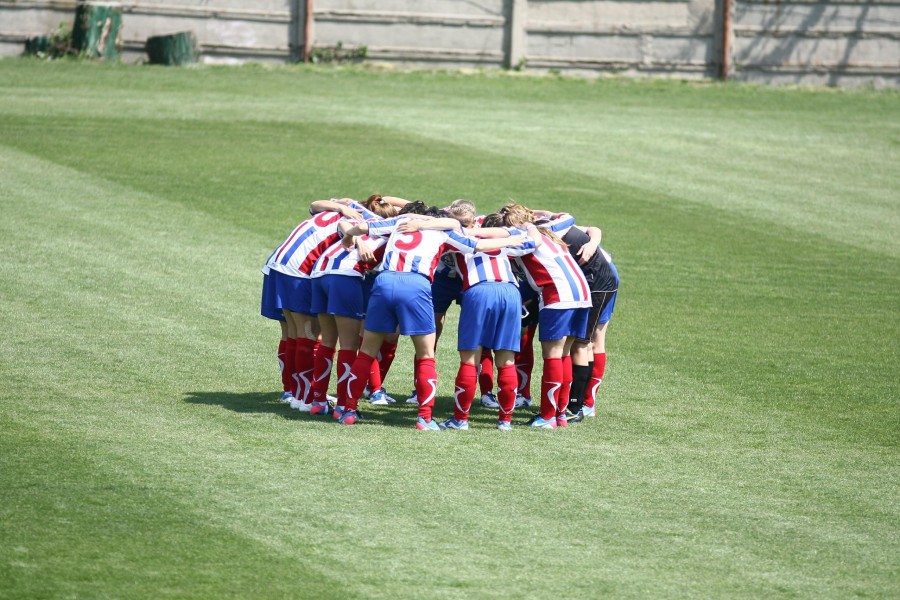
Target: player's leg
(507, 382)
(464, 392)
(322, 364)
(307, 327)
(551, 381)
(426, 379)
(524, 362)
(348, 336)
(486, 379)
(598, 343)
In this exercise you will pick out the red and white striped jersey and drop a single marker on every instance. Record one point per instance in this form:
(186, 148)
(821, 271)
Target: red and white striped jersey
(338, 260)
(492, 266)
(560, 223)
(297, 255)
(418, 251)
(554, 273)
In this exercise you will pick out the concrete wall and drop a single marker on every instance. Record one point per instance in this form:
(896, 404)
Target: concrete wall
(843, 42)
(840, 42)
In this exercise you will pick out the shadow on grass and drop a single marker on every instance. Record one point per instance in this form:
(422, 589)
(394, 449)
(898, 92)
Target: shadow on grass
(246, 402)
(395, 415)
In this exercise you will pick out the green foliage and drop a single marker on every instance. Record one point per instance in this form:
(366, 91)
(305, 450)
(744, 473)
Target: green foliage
(55, 45)
(338, 54)
(747, 443)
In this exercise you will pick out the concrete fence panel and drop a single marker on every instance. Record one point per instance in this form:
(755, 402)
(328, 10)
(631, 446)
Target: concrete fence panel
(837, 42)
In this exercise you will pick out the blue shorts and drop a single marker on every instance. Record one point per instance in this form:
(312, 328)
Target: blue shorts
(367, 283)
(340, 295)
(607, 312)
(491, 317)
(270, 305)
(444, 291)
(559, 323)
(289, 291)
(402, 299)
(295, 293)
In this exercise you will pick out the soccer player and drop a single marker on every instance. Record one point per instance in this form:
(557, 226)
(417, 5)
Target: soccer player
(339, 303)
(401, 297)
(589, 350)
(446, 286)
(287, 286)
(588, 355)
(564, 308)
(490, 318)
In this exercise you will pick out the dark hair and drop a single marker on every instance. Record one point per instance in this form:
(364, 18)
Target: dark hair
(417, 207)
(434, 211)
(493, 220)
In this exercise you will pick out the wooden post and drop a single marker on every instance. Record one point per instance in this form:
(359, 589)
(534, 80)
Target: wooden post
(307, 30)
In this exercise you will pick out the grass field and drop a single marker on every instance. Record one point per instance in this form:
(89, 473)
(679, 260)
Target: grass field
(747, 445)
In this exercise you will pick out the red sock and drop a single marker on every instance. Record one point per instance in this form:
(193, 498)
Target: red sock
(551, 382)
(426, 385)
(506, 380)
(465, 391)
(290, 351)
(486, 376)
(525, 362)
(386, 358)
(285, 376)
(375, 380)
(356, 381)
(345, 360)
(563, 399)
(304, 359)
(322, 373)
(593, 388)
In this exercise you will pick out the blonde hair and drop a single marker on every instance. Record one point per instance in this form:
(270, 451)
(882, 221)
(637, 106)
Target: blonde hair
(516, 215)
(463, 211)
(380, 207)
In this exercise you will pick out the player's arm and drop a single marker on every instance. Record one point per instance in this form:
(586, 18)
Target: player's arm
(488, 232)
(350, 230)
(365, 252)
(590, 248)
(340, 206)
(395, 201)
(429, 223)
(486, 245)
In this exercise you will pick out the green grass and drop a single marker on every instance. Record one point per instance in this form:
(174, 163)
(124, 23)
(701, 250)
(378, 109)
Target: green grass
(748, 439)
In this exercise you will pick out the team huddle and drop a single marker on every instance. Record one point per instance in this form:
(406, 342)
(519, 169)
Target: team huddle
(351, 279)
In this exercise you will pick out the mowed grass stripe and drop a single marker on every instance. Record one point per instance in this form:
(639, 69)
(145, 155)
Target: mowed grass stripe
(77, 522)
(789, 157)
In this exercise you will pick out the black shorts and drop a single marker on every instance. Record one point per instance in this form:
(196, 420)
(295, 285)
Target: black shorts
(599, 301)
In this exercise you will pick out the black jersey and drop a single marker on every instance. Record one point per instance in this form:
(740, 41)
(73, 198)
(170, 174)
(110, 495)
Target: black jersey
(600, 273)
